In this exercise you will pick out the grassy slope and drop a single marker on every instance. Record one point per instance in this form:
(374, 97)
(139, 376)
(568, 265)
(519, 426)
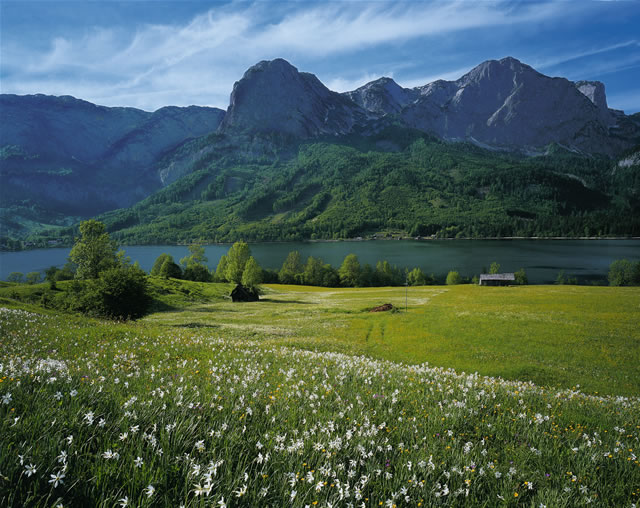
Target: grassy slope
(187, 391)
(553, 335)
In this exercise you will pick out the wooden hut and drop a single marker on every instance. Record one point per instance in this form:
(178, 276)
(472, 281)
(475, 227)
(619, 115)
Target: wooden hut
(244, 294)
(497, 279)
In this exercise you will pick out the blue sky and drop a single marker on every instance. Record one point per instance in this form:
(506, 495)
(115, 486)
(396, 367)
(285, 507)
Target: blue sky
(149, 54)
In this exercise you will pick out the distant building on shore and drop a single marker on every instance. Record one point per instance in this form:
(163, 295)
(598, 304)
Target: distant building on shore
(497, 279)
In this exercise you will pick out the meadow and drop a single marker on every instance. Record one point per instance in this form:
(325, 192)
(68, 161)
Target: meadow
(524, 396)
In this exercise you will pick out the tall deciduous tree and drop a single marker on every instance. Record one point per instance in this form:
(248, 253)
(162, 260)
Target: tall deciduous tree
(197, 256)
(495, 268)
(291, 267)
(237, 258)
(252, 274)
(94, 251)
(349, 271)
(221, 270)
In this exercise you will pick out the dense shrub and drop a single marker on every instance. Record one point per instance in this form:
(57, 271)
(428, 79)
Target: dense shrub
(119, 293)
(623, 272)
(453, 278)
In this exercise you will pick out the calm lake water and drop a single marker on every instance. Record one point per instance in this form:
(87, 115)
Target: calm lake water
(542, 259)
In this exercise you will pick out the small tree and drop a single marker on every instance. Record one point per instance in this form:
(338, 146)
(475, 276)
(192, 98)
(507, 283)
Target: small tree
(155, 270)
(197, 256)
(94, 251)
(313, 272)
(521, 277)
(170, 269)
(252, 275)
(291, 267)
(623, 272)
(221, 270)
(237, 258)
(495, 268)
(33, 277)
(15, 277)
(416, 277)
(349, 271)
(453, 278)
(121, 293)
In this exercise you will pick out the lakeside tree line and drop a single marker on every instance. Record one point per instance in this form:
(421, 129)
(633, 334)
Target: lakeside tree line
(105, 283)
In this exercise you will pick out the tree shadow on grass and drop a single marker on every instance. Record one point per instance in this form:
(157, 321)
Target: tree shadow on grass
(301, 302)
(196, 325)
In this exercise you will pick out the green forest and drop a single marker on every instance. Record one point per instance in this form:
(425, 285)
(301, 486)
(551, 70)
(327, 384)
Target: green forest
(396, 183)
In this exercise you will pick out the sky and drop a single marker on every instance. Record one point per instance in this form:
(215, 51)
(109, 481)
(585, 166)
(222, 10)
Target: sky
(151, 53)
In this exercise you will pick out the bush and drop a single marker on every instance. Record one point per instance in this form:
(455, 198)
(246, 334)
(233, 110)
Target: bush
(521, 277)
(197, 273)
(453, 278)
(170, 269)
(120, 293)
(623, 272)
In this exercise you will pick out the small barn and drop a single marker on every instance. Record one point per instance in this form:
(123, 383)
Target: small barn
(244, 294)
(497, 279)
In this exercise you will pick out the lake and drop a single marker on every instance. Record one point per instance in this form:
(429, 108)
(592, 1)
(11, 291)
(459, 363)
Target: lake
(542, 259)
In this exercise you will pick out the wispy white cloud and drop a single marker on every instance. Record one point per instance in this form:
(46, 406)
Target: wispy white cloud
(198, 61)
(569, 57)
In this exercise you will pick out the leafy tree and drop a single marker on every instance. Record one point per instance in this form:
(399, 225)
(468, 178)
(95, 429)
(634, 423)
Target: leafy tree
(349, 271)
(495, 268)
(121, 293)
(453, 278)
(561, 279)
(155, 270)
(67, 272)
(221, 270)
(330, 276)
(416, 277)
(623, 272)
(384, 273)
(94, 251)
(33, 277)
(15, 277)
(237, 258)
(197, 273)
(291, 267)
(313, 272)
(367, 276)
(170, 269)
(521, 277)
(252, 275)
(197, 256)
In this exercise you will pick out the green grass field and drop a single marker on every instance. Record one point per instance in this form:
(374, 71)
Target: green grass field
(560, 336)
(307, 399)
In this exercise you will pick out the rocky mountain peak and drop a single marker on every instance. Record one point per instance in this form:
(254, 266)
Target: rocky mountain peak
(594, 91)
(273, 96)
(382, 96)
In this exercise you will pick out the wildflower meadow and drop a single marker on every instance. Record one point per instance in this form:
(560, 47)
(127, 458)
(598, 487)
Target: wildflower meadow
(101, 414)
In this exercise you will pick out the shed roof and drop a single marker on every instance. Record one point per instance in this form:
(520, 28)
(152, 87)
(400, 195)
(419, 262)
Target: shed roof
(497, 276)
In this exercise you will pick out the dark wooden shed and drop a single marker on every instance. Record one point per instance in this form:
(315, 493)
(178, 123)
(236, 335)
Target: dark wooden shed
(243, 294)
(497, 279)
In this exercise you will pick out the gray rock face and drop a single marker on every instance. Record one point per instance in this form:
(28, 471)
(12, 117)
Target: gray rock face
(382, 96)
(507, 105)
(594, 90)
(66, 149)
(273, 96)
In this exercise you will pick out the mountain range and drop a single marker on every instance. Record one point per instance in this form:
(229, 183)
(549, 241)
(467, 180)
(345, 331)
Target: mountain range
(63, 159)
